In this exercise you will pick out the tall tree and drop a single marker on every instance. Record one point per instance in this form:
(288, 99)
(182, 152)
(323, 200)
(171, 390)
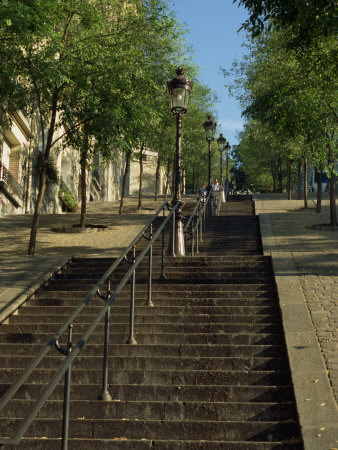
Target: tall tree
(57, 54)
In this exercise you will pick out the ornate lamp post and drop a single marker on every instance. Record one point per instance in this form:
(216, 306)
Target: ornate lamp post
(233, 180)
(221, 143)
(227, 150)
(179, 90)
(209, 128)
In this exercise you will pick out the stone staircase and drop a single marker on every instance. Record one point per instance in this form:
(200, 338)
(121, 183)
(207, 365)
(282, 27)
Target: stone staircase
(210, 370)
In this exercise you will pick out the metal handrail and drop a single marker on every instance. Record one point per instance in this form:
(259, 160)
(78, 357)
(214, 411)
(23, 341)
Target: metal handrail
(192, 215)
(72, 353)
(197, 224)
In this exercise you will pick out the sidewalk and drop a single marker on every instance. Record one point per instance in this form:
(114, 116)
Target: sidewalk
(306, 271)
(21, 274)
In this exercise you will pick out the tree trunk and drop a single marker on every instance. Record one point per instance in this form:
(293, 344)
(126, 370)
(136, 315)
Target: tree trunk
(42, 178)
(83, 162)
(280, 174)
(305, 184)
(124, 182)
(139, 205)
(288, 181)
(157, 176)
(37, 210)
(274, 176)
(333, 210)
(299, 187)
(274, 184)
(319, 190)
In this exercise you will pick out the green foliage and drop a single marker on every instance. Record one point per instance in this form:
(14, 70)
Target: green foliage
(52, 173)
(289, 100)
(307, 18)
(68, 200)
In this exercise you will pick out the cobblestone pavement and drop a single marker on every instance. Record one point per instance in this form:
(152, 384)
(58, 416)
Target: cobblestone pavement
(315, 254)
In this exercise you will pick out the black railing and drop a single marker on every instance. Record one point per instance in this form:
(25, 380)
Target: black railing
(8, 178)
(72, 352)
(197, 222)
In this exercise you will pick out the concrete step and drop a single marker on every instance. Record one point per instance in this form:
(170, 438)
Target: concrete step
(147, 393)
(169, 295)
(188, 265)
(163, 430)
(157, 362)
(160, 377)
(174, 286)
(155, 310)
(156, 338)
(16, 333)
(151, 317)
(157, 410)
(172, 350)
(172, 273)
(122, 443)
(153, 328)
(123, 302)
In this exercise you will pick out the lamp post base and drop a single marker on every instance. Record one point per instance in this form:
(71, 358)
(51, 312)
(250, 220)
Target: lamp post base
(177, 240)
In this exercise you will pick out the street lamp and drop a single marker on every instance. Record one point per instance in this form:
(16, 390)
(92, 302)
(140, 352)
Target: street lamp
(233, 180)
(179, 90)
(227, 150)
(221, 143)
(209, 128)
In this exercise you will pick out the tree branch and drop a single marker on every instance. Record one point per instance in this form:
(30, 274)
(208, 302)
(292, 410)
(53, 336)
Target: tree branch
(73, 128)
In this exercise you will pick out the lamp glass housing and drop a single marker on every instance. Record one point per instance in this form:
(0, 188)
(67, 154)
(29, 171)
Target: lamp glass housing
(221, 142)
(209, 128)
(179, 90)
(179, 100)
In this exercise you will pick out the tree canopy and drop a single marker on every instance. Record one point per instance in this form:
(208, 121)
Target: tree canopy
(307, 18)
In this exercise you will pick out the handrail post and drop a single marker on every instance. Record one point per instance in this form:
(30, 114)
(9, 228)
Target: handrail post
(173, 234)
(192, 243)
(201, 229)
(131, 340)
(205, 216)
(66, 394)
(197, 232)
(163, 275)
(150, 269)
(105, 395)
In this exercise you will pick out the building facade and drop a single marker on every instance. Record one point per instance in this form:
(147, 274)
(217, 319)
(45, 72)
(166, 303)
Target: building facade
(20, 157)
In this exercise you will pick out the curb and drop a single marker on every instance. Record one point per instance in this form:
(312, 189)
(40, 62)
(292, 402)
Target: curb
(316, 406)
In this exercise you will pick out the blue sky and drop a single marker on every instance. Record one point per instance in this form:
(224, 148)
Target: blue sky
(213, 34)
